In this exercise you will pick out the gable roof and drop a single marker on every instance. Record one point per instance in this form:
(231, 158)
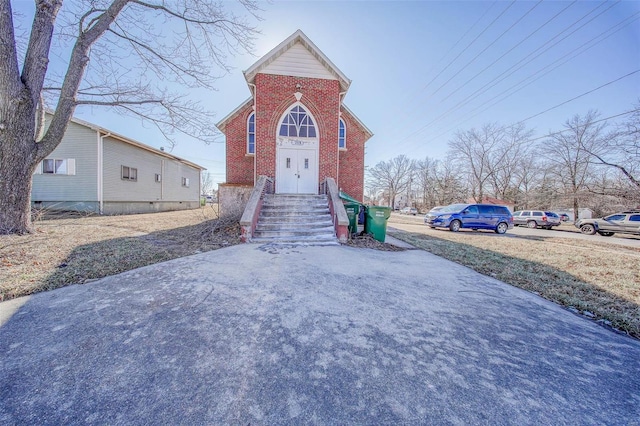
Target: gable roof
(109, 133)
(223, 123)
(368, 132)
(292, 40)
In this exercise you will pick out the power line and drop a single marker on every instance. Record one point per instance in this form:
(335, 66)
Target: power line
(498, 79)
(512, 49)
(470, 44)
(411, 98)
(593, 122)
(579, 96)
(486, 48)
(452, 48)
(482, 107)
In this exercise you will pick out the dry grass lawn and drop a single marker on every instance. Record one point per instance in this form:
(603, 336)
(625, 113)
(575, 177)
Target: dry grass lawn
(73, 248)
(598, 279)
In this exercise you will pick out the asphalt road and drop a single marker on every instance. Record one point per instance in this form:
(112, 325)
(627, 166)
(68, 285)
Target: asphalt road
(309, 335)
(564, 231)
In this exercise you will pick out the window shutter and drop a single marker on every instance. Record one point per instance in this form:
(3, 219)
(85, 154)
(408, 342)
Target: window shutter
(71, 166)
(38, 169)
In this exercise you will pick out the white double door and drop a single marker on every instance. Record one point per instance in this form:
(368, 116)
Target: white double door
(297, 171)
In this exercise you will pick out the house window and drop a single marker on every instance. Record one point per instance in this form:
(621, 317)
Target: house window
(158, 177)
(185, 182)
(251, 134)
(297, 123)
(56, 166)
(129, 173)
(342, 135)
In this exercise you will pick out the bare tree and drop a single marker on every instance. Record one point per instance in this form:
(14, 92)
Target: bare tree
(474, 150)
(508, 157)
(450, 187)
(622, 151)
(570, 154)
(124, 54)
(206, 183)
(393, 176)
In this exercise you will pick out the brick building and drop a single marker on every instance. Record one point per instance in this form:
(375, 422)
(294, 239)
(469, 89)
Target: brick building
(294, 128)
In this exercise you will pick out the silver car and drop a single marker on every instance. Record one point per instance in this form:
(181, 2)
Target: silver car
(624, 223)
(536, 219)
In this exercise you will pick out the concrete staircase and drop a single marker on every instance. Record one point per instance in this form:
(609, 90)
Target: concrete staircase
(295, 219)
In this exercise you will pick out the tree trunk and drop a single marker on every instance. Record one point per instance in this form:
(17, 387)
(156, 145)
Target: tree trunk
(17, 164)
(15, 198)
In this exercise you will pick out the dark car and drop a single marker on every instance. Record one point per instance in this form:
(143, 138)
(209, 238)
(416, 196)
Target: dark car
(536, 219)
(627, 222)
(474, 216)
(564, 217)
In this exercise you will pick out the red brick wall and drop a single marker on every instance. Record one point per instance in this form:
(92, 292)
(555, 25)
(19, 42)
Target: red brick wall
(275, 95)
(351, 176)
(239, 164)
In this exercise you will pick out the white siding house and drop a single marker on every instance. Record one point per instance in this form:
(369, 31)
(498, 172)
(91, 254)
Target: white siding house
(96, 170)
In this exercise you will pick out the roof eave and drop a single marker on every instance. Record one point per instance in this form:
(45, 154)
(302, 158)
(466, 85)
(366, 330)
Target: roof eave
(298, 36)
(367, 131)
(130, 141)
(222, 124)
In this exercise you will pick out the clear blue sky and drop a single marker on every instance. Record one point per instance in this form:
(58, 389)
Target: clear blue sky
(415, 65)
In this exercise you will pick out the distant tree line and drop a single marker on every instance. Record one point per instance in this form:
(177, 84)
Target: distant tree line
(589, 163)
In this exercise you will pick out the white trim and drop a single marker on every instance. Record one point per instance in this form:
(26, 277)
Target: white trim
(366, 129)
(254, 134)
(299, 143)
(132, 142)
(342, 148)
(294, 38)
(223, 123)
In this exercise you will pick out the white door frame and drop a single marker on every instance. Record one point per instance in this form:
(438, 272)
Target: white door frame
(298, 144)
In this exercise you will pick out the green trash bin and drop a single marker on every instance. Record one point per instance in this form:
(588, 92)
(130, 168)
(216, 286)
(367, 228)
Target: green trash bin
(353, 209)
(376, 221)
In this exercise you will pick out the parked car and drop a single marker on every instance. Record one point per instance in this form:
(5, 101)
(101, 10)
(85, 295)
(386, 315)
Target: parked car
(474, 216)
(564, 217)
(409, 210)
(536, 219)
(627, 222)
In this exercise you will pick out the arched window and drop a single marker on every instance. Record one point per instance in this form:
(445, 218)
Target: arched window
(251, 134)
(297, 123)
(342, 135)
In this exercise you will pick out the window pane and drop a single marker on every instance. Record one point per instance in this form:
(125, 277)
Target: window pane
(312, 132)
(306, 163)
(292, 131)
(288, 163)
(61, 167)
(634, 218)
(133, 174)
(47, 166)
(125, 172)
(303, 132)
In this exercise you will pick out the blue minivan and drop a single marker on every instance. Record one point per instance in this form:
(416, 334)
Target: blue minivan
(474, 216)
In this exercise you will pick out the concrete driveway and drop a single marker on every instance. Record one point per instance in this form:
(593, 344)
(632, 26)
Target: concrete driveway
(309, 335)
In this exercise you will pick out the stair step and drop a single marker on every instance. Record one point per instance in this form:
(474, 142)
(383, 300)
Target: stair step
(297, 241)
(295, 219)
(297, 213)
(295, 232)
(285, 226)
